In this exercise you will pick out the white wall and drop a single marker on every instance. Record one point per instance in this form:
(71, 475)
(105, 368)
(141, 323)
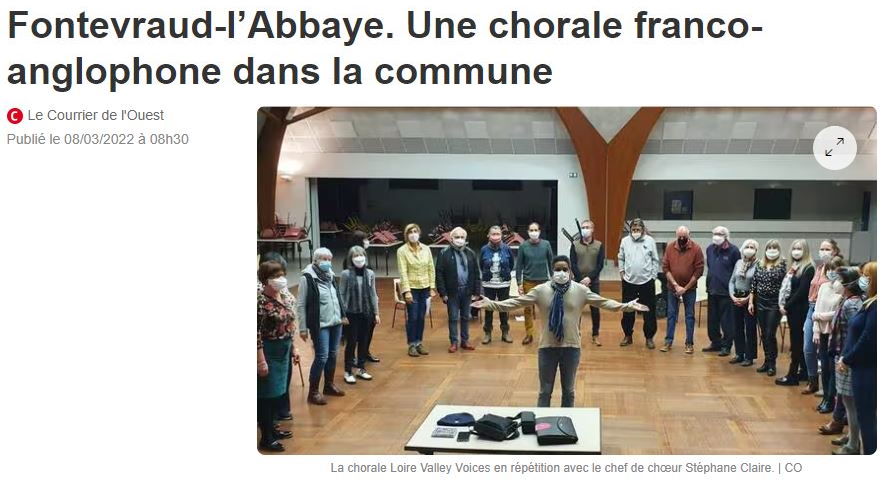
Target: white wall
(749, 167)
(292, 196)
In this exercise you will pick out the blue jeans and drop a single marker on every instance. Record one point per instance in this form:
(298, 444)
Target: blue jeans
(325, 345)
(551, 359)
(809, 347)
(689, 299)
(416, 313)
(459, 310)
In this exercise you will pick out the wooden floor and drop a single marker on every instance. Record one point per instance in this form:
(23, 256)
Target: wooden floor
(652, 402)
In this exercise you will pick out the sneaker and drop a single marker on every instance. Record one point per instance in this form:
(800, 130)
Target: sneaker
(689, 349)
(649, 343)
(626, 341)
(667, 346)
(412, 352)
(507, 337)
(350, 378)
(364, 375)
(486, 339)
(422, 350)
(596, 341)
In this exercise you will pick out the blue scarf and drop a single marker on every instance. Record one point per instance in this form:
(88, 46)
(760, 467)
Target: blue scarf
(556, 310)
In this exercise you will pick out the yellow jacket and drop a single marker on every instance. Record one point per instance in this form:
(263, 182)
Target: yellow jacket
(417, 268)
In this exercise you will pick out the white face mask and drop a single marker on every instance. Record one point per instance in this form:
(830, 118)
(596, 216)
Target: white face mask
(772, 254)
(748, 252)
(825, 256)
(796, 254)
(359, 261)
(534, 234)
(586, 233)
(718, 240)
(366, 243)
(413, 237)
(278, 284)
(832, 275)
(459, 241)
(561, 277)
(636, 235)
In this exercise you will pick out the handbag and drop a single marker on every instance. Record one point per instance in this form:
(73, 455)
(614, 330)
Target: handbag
(496, 428)
(552, 431)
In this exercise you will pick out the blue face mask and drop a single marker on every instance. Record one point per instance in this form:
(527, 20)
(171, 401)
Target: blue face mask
(863, 283)
(326, 266)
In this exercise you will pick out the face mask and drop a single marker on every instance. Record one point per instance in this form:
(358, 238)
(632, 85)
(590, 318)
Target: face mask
(863, 283)
(278, 284)
(459, 241)
(682, 241)
(366, 243)
(825, 256)
(586, 233)
(718, 240)
(535, 234)
(749, 252)
(414, 237)
(325, 266)
(561, 277)
(359, 261)
(636, 235)
(831, 275)
(772, 254)
(796, 254)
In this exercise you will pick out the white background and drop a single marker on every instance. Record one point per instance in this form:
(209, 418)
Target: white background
(125, 303)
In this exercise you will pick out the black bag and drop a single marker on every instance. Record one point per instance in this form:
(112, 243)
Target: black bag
(496, 428)
(553, 431)
(528, 422)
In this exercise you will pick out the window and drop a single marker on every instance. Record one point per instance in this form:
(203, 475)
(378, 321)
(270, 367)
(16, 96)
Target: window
(772, 204)
(678, 205)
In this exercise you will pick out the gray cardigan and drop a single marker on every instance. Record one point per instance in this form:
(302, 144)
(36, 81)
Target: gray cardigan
(740, 282)
(351, 298)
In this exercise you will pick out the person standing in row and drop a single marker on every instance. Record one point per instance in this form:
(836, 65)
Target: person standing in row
(852, 302)
(859, 354)
(361, 305)
(828, 249)
(321, 313)
(740, 286)
(794, 305)
(561, 301)
(459, 284)
(765, 302)
(284, 411)
(683, 266)
(586, 263)
(360, 238)
(639, 265)
(829, 298)
(417, 269)
(532, 268)
(496, 279)
(721, 257)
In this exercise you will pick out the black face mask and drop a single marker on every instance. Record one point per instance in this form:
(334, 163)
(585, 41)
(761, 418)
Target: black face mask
(683, 242)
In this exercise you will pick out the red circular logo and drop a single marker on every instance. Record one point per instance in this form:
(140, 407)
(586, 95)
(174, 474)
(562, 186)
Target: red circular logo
(14, 116)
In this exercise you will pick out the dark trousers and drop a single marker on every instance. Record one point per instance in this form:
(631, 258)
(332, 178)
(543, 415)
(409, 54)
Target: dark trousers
(595, 287)
(795, 317)
(357, 338)
(458, 312)
(496, 294)
(266, 415)
(554, 359)
(863, 384)
(745, 332)
(720, 323)
(645, 293)
(768, 320)
(416, 314)
(283, 409)
(827, 370)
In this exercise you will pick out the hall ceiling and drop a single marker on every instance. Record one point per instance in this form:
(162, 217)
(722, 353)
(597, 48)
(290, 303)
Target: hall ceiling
(539, 130)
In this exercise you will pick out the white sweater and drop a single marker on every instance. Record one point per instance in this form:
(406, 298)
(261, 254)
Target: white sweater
(828, 299)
